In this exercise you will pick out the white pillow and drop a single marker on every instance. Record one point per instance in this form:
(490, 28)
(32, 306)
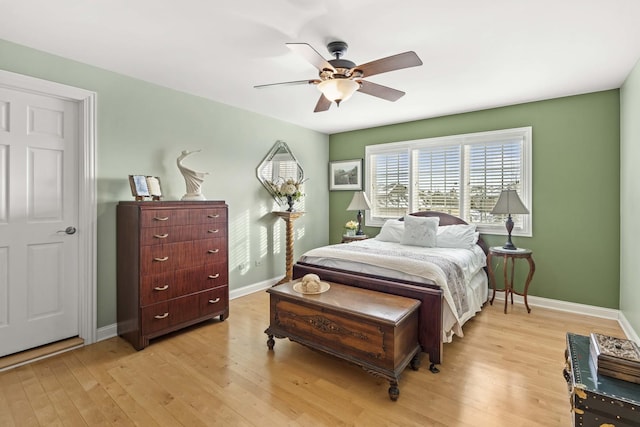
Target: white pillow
(420, 231)
(391, 231)
(456, 236)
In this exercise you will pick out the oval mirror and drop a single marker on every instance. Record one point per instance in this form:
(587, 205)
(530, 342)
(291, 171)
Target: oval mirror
(279, 165)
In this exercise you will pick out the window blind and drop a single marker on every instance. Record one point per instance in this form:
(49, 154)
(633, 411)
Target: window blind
(390, 188)
(462, 175)
(437, 177)
(493, 167)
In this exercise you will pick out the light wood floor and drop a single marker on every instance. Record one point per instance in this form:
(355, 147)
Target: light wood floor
(506, 371)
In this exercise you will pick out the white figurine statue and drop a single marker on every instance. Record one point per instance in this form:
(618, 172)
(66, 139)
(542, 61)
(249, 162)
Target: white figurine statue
(192, 178)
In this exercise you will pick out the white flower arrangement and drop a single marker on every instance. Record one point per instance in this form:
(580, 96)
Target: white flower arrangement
(351, 225)
(285, 189)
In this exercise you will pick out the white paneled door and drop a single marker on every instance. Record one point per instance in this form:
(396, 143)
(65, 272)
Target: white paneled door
(38, 220)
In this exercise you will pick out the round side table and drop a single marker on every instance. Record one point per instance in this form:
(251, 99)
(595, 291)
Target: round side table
(513, 255)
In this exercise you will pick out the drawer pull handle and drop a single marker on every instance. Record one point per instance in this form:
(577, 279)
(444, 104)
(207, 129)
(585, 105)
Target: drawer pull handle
(161, 259)
(159, 288)
(164, 218)
(213, 251)
(213, 216)
(161, 236)
(213, 231)
(213, 301)
(161, 316)
(214, 276)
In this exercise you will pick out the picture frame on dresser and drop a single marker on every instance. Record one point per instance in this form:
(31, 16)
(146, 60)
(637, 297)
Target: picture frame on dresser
(139, 187)
(345, 175)
(145, 186)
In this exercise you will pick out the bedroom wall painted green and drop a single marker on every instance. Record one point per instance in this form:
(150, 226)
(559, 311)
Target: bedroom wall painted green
(142, 128)
(630, 198)
(576, 201)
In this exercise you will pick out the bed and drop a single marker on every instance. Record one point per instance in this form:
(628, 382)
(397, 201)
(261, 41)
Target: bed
(450, 281)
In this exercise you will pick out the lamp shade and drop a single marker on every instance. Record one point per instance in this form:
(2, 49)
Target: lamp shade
(360, 202)
(338, 90)
(509, 203)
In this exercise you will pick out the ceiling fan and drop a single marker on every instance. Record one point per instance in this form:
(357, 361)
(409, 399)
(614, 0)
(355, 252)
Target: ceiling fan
(340, 78)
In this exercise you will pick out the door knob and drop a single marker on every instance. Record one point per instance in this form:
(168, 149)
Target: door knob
(68, 230)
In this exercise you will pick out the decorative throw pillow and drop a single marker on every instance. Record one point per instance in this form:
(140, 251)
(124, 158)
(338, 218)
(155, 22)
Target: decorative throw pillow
(420, 231)
(456, 236)
(391, 231)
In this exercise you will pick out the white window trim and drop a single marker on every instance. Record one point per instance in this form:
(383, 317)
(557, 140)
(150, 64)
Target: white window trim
(525, 194)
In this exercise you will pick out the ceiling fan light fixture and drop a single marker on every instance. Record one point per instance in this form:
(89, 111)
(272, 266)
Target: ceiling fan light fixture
(338, 90)
(339, 78)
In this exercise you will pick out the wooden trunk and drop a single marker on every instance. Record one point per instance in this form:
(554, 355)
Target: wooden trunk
(376, 331)
(597, 400)
(429, 295)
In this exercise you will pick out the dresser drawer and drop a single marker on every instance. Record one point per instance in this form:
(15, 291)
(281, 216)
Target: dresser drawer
(209, 231)
(181, 233)
(165, 286)
(203, 277)
(208, 216)
(156, 217)
(158, 287)
(214, 301)
(157, 317)
(166, 234)
(210, 251)
(165, 258)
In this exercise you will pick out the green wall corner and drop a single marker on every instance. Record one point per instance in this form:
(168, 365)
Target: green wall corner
(576, 186)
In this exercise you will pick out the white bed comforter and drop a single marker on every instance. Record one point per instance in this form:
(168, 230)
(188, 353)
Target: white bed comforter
(458, 272)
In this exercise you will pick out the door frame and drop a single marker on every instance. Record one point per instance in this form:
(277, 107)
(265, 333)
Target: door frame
(87, 192)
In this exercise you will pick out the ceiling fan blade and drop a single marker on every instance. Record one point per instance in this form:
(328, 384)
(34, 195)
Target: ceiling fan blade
(380, 91)
(296, 82)
(310, 54)
(322, 105)
(390, 63)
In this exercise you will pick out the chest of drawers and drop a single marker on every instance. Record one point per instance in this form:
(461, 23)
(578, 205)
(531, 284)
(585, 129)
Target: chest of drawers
(172, 263)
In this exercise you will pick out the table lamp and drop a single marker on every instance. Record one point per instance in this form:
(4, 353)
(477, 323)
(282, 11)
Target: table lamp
(359, 203)
(509, 203)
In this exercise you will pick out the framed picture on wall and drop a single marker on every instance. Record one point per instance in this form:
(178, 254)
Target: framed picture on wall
(345, 175)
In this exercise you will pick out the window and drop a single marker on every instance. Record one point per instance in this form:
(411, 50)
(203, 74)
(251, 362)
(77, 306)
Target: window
(462, 175)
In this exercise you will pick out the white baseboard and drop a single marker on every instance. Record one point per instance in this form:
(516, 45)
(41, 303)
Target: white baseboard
(111, 331)
(628, 329)
(256, 287)
(584, 309)
(106, 332)
(571, 307)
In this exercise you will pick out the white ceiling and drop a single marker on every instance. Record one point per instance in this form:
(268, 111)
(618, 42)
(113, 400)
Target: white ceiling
(476, 54)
